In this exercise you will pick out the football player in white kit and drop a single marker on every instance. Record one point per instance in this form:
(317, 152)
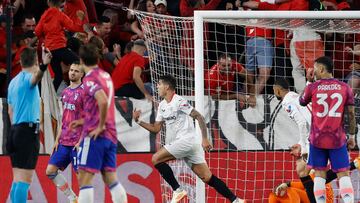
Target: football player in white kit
(302, 116)
(178, 116)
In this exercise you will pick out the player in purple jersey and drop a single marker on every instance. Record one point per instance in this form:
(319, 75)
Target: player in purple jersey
(64, 151)
(329, 98)
(97, 151)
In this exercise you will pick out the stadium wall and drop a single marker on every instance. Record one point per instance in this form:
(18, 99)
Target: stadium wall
(267, 127)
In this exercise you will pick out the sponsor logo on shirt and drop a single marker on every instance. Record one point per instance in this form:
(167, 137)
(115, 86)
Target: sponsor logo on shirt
(170, 118)
(69, 106)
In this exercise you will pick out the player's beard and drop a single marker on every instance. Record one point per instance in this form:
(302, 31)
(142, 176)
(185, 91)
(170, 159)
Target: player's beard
(278, 98)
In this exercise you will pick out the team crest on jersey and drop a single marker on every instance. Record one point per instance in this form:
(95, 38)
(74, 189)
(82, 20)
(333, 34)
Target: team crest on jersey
(288, 109)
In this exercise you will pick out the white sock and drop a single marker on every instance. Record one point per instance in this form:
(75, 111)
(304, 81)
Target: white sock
(86, 194)
(61, 183)
(346, 189)
(118, 194)
(319, 190)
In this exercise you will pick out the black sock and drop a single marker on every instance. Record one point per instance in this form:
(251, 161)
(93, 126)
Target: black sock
(221, 188)
(308, 184)
(168, 175)
(352, 166)
(330, 176)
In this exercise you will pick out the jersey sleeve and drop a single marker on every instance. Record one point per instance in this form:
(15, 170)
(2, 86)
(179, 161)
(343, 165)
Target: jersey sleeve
(185, 107)
(349, 96)
(305, 98)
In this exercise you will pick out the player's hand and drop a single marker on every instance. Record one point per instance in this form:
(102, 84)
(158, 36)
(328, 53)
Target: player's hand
(351, 143)
(206, 145)
(310, 75)
(281, 189)
(56, 145)
(76, 123)
(136, 115)
(295, 150)
(76, 147)
(95, 133)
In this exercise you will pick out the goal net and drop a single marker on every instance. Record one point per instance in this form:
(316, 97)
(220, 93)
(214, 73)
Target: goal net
(236, 53)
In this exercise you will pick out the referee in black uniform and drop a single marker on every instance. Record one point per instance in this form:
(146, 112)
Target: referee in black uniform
(24, 111)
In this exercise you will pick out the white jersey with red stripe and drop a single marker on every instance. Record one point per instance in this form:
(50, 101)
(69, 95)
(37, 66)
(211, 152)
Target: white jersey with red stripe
(301, 115)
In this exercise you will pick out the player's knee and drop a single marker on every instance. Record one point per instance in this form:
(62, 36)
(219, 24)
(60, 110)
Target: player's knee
(155, 159)
(205, 177)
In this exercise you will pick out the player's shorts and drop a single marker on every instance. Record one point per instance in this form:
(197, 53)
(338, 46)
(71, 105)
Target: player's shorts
(339, 158)
(187, 149)
(259, 53)
(97, 155)
(23, 145)
(63, 157)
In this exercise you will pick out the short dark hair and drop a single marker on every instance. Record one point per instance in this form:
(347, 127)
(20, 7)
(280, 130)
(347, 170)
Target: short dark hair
(28, 57)
(56, 3)
(103, 19)
(282, 82)
(225, 56)
(89, 54)
(27, 16)
(169, 80)
(327, 62)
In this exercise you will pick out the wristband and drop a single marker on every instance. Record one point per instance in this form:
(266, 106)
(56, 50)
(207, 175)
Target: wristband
(43, 67)
(352, 136)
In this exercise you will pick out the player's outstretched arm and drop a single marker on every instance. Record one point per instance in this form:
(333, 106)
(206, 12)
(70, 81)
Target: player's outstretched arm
(152, 127)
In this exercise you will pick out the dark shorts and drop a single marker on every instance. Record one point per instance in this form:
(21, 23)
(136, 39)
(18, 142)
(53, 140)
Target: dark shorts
(339, 158)
(23, 145)
(63, 157)
(97, 155)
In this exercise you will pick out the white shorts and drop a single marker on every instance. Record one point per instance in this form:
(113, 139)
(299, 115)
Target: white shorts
(187, 149)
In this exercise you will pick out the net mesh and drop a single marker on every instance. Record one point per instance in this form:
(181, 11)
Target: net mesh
(251, 145)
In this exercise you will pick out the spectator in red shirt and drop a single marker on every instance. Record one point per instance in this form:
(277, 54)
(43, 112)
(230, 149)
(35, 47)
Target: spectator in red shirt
(28, 24)
(51, 27)
(127, 74)
(72, 6)
(103, 29)
(28, 39)
(104, 62)
(220, 79)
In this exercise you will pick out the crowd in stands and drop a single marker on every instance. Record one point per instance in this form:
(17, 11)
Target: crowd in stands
(64, 25)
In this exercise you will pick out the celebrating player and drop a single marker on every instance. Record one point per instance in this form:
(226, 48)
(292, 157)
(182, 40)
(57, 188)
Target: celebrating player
(174, 111)
(329, 98)
(97, 151)
(64, 150)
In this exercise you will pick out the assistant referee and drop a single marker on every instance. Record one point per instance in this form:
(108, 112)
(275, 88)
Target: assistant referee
(24, 111)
